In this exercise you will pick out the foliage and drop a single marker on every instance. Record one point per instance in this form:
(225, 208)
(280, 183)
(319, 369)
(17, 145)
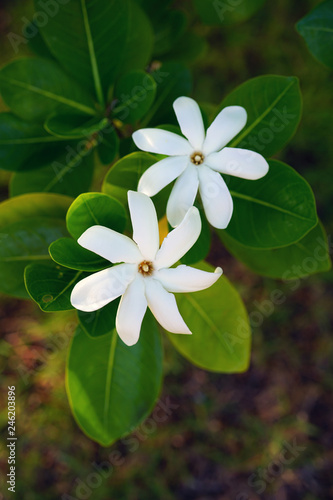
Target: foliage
(317, 30)
(73, 107)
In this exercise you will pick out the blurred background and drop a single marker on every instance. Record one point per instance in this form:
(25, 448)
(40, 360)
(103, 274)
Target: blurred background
(264, 434)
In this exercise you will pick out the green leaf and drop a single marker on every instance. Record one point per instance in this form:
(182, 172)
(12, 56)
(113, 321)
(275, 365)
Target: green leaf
(28, 225)
(308, 256)
(317, 30)
(87, 38)
(74, 126)
(274, 107)
(116, 387)
(91, 209)
(108, 145)
(25, 146)
(100, 322)
(173, 79)
(69, 253)
(139, 41)
(70, 174)
(135, 93)
(124, 176)
(42, 205)
(201, 247)
(51, 285)
(274, 211)
(221, 335)
(34, 88)
(225, 13)
(36, 42)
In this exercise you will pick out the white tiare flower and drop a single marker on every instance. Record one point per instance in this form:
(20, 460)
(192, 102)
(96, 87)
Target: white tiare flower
(142, 275)
(197, 161)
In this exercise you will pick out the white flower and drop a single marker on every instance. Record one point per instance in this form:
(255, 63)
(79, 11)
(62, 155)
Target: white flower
(198, 161)
(143, 278)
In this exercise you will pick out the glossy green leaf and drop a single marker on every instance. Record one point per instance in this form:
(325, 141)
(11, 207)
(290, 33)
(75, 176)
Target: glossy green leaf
(138, 47)
(28, 225)
(100, 322)
(24, 145)
(26, 206)
(274, 107)
(274, 211)
(221, 335)
(201, 247)
(91, 209)
(124, 176)
(308, 256)
(173, 79)
(51, 285)
(226, 12)
(90, 49)
(135, 92)
(71, 174)
(116, 387)
(317, 30)
(74, 126)
(34, 88)
(108, 145)
(69, 253)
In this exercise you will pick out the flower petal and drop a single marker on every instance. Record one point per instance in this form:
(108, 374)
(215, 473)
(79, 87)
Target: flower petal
(187, 279)
(161, 174)
(145, 224)
(228, 123)
(215, 197)
(190, 120)
(162, 142)
(182, 195)
(131, 310)
(238, 162)
(109, 244)
(163, 305)
(179, 240)
(100, 288)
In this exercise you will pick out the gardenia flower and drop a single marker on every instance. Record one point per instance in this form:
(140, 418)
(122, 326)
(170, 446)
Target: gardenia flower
(197, 161)
(143, 278)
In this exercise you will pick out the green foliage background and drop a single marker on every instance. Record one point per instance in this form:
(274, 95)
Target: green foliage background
(225, 427)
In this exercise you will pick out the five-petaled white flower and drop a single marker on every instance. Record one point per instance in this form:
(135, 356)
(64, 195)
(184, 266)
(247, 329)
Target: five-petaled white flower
(198, 161)
(142, 275)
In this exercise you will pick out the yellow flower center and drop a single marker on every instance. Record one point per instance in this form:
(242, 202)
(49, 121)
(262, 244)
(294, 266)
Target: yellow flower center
(146, 268)
(197, 158)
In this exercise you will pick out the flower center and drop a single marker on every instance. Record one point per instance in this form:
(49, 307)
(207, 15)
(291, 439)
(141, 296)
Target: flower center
(197, 158)
(146, 268)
